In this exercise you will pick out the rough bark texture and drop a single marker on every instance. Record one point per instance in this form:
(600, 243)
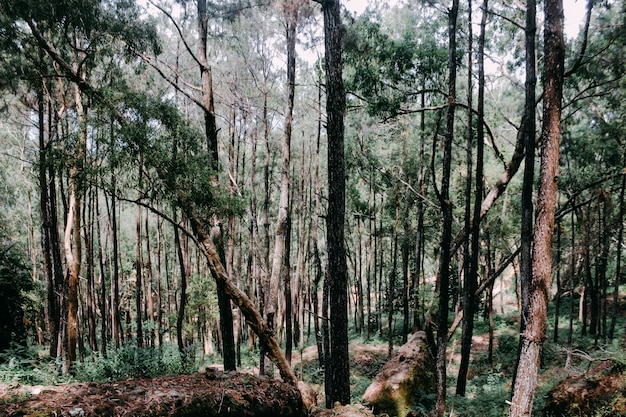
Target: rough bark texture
(210, 127)
(528, 129)
(252, 315)
(339, 390)
(407, 376)
(204, 394)
(535, 331)
(73, 247)
(446, 208)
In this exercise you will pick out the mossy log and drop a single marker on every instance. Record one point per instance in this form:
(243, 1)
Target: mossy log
(408, 376)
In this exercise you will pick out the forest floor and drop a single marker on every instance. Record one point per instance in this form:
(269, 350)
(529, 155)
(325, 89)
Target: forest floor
(216, 392)
(208, 393)
(243, 394)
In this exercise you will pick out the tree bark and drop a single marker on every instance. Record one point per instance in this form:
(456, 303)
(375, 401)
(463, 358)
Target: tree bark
(618, 256)
(339, 389)
(184, 272)
(443, 274)
(529, 129)
(208, 108)
(72, 239)
(253, 318)
(535, 331)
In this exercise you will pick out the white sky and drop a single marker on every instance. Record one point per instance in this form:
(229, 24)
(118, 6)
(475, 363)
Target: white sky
(574, 13)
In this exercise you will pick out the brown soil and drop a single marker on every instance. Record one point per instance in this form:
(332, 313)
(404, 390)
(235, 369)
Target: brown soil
(601, 391)
(205, 394)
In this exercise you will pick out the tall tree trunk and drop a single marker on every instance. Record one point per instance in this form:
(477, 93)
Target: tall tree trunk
(139, 265)
(602, 262)
(91, 270)
(290, 11)
(288, 295)
(535, 331)
(466, 293)
(443, 277)
(150, 283)
(572, 287)
(420, 234)
(317, 262)
(116, 322)
(618, 256)
(184, 272)
(103, 288)
(529, 129)
(557, 301)
(474, 252)
(46, 224)
(72, 239)
(226, 315)
(339, 388)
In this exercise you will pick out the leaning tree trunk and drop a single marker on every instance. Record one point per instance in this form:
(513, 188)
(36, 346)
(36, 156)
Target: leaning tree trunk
(535, 331)
(253, 318)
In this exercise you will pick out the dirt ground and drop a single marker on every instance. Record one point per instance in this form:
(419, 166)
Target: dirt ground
(209, 393)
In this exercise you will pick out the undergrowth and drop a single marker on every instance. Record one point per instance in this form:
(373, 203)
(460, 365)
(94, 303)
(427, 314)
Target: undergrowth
(32, 366)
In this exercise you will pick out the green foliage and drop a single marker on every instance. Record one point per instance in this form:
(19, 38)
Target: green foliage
(382, 67)
(177, 166)
(486, 396)
(15, 282)
(24, 365)
(130, 361)
(507, 350)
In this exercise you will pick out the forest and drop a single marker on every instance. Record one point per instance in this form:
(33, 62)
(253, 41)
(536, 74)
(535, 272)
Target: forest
(295, 191)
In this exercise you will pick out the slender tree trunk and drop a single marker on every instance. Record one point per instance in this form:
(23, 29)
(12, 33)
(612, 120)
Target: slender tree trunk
(317, 262)
(557, 302)
(150, 283)
(116, 322)
(529, 129)
(91, 269)
(160, 298)
(572, 289)
(420, 235)
(443, 277)
(391, 283)
(103, 288)
(139, 266)
(618, 256)
(291, 16)
(288, 295)
(474, 250)
(535, 331)
(466, 293)
(184, 272)
(46, 226)
(605, 245)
